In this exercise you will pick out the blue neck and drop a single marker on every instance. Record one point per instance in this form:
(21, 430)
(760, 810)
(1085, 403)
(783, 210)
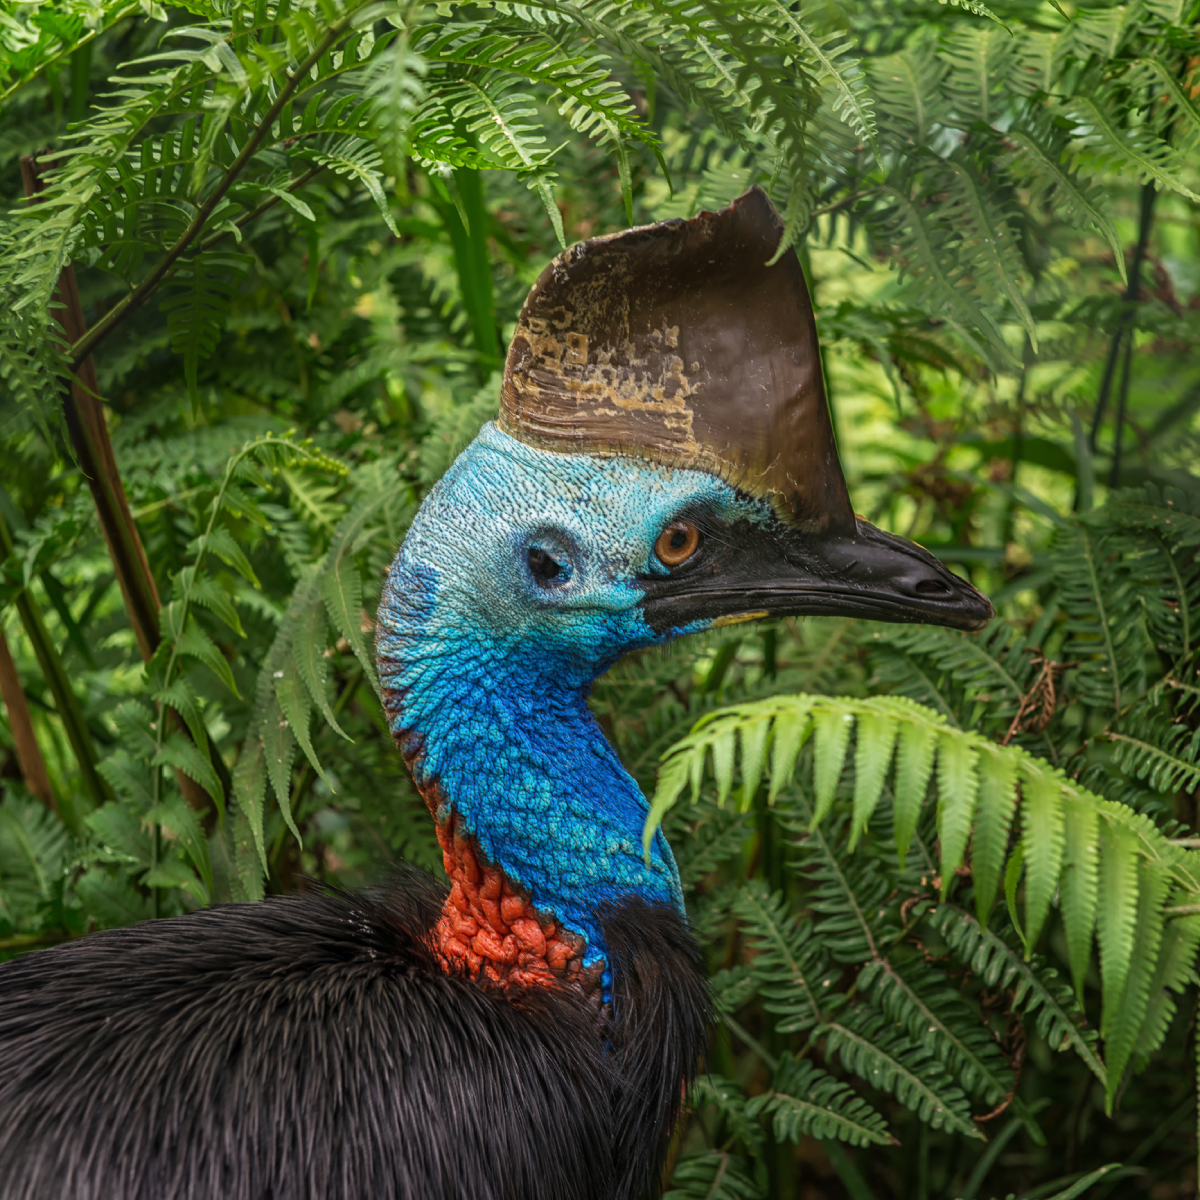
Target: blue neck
(505, 730)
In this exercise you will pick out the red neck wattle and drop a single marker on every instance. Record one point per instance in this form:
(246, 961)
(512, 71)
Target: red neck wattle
(489, 927)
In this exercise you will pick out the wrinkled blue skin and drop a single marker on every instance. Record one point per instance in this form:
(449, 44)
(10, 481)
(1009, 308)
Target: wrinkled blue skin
(489, 672)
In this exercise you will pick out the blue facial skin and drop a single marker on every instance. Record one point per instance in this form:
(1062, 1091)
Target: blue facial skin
(489, 667)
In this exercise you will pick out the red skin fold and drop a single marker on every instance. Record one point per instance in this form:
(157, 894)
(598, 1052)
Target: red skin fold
(489, 927)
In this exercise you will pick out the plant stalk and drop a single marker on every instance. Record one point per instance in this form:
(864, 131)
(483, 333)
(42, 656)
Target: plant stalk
(29, 753)
(66, 702)
(87, 429)
(1125, 324)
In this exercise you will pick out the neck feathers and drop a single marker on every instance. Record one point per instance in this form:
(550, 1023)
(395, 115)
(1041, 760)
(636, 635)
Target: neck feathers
(540, 825)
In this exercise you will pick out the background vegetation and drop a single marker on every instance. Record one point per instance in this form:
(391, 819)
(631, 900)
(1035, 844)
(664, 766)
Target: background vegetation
(301, 232)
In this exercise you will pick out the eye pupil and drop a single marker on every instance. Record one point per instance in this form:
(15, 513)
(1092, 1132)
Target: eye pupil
(677, 543)
(543, 567)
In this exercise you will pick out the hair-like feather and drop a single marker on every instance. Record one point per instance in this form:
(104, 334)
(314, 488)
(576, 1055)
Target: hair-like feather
(313, 1047)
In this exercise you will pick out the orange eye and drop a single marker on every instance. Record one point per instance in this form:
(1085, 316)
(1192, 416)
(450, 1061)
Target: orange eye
(677, 543)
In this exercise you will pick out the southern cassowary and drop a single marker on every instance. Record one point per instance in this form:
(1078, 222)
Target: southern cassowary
(663, 462)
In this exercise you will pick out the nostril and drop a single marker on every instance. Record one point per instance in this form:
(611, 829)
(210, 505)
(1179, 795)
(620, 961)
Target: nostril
(932, 587)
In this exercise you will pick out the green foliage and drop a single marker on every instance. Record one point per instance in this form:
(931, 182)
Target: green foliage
(957, 876)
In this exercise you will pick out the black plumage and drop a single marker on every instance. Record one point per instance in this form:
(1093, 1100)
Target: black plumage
(313, 1047)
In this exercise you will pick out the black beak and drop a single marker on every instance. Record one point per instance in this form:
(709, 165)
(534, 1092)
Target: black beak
(748, 571)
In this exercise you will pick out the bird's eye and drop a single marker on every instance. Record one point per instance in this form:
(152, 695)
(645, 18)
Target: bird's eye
(545, 568)
(677, 543)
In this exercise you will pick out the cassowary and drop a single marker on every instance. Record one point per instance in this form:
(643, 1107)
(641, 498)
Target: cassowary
(663, 462)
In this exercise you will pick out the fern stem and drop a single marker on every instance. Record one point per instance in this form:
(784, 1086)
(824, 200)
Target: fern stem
(1114, 473)
(270, 202)
(847, 1170)
(1124, 325)
(138, 296)
(752, 1042)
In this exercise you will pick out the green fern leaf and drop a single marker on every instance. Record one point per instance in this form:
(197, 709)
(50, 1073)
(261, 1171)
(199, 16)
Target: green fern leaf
(208, 593)
(341, 589)
(195, 643)
(831, 737)
(886, 1061)
(297, 711)
(180, 825)
(990, 240)
(1079, 883)
(977, 58)
(1124, 1015)
(1042, 837)
(791, 732)
(993, 823)
(122, 834)
(792, 972)
(1037, 159)
(179, 752)
(111, 899)
(914, 764)
(1138, 154)
(958, 784)
(309, 642)
(804, 1101)
(181, 696)
(909, 89)
(729, 1100)
(1116, 916)
(279, 750)
(221, 543)
(724, 747)
(197, 305)
(357, 158)
(250, 792)
(1060, 1018)
(875, 738)
(712, 1175)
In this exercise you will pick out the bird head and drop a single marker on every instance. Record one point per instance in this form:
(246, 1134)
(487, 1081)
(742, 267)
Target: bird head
(663, 462)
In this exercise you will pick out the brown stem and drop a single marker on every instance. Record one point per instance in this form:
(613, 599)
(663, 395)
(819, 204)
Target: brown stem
(29, 753)
(66, 703)
(88, 431)
(84, 345)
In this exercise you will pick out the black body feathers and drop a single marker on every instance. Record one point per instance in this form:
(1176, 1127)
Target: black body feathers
(312, 1047)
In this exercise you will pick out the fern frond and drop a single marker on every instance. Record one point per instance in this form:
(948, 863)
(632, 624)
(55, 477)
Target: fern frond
(870, 1047)
(728, 1099)
(806, 1101)
(909, 87)
(394, 83)
(1138, 153)
(791, 966)
(712, 1175)
(1130, 846)
(926, 249)
(197, 306)
(990, 239)
(1037, 160)
(1102, 618)
(977, 58)
(1035, 990)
